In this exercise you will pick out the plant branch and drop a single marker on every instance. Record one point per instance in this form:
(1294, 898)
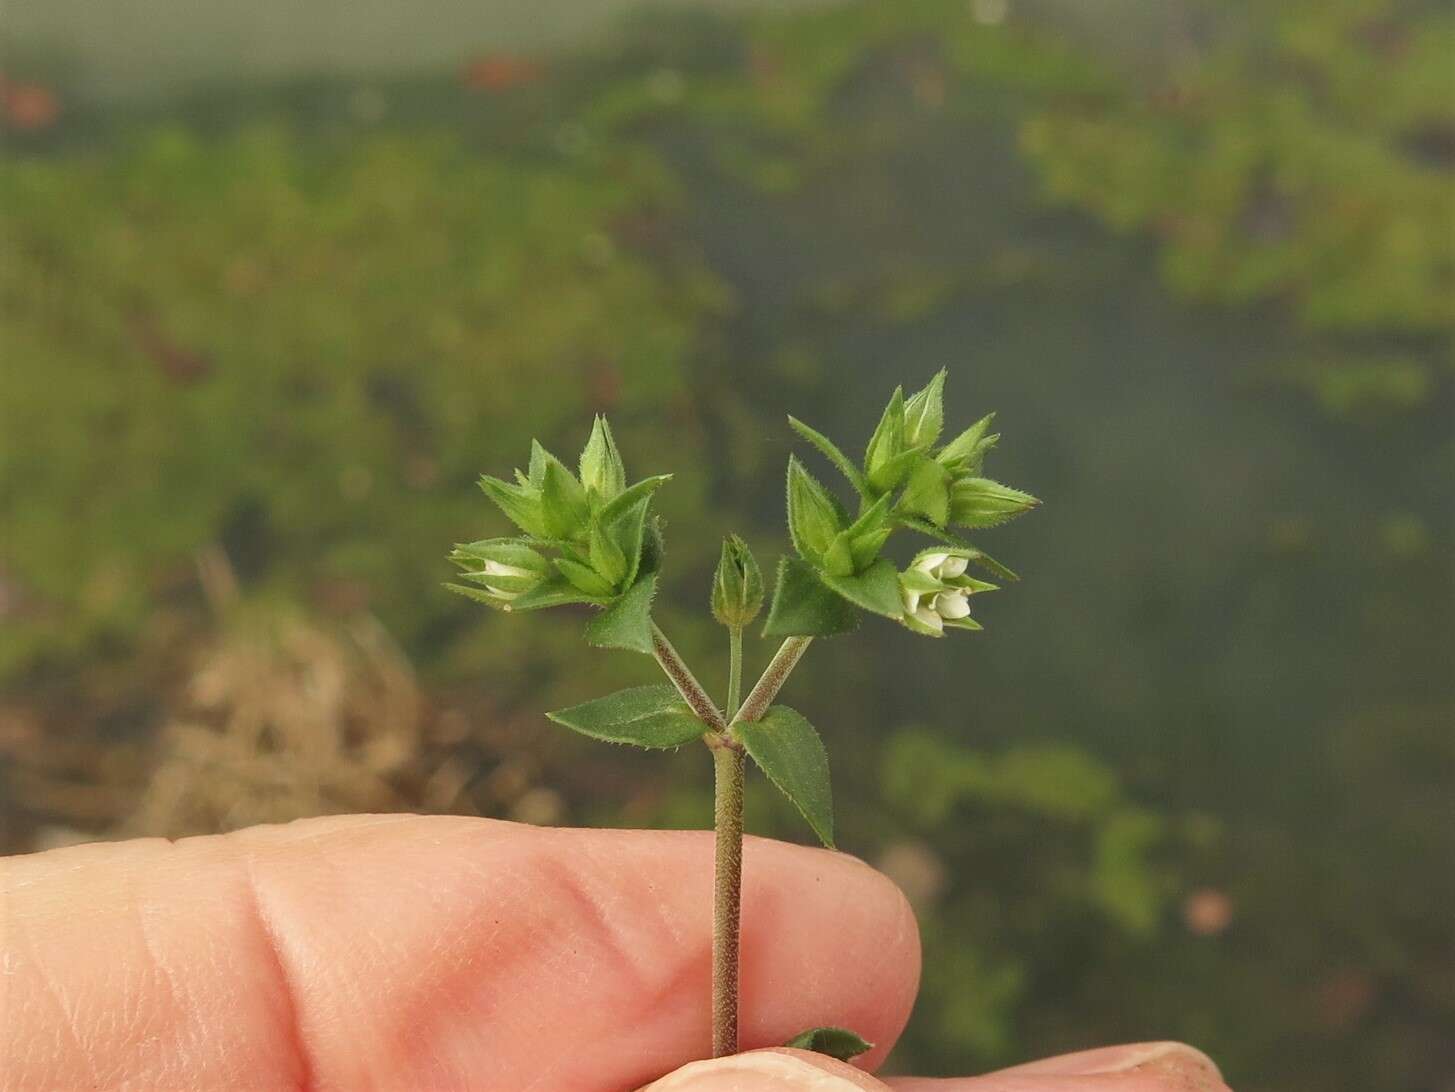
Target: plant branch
(772, 679)
(735, 671)
(727, 897)
(686, 683)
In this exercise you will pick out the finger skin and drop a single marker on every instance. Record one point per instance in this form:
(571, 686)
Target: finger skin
(1136, 1067)
(424, 953)
(1139, 1067)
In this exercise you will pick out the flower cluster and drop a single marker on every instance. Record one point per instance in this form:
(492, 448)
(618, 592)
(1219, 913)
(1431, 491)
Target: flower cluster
(904, 481)
(587, 539)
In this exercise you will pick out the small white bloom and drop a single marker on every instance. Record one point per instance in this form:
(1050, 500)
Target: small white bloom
(952, 605)
(930, 563)
(500, 568)
(953, 566)
(929, 618)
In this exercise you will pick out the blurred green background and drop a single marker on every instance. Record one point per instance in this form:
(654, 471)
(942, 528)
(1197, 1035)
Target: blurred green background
(277, 282)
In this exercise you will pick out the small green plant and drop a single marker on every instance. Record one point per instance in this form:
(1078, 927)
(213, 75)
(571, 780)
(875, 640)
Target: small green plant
(590, 538)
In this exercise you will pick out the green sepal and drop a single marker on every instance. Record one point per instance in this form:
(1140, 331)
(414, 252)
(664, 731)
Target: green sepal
(886, 444)
(502, 581)
(963, 623)
(965, 454)
(893, 472)
(564, 508)
(924, 413)
(875, 589)
(975, 555)
(507, 551)
(814, 515)
(627, 622)
(584, 578)
(804, 607)
(831, 452)
(479, 595)
(840, 1043)
(644, 716)
(607, 557)
(631, 495)
(520, 503)
(789, 751)
(927, 493)
(539, 457)
(603, 475)
(628, 531)
(554, 592)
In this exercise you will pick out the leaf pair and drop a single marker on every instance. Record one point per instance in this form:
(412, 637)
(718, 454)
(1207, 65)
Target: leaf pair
(783, 743)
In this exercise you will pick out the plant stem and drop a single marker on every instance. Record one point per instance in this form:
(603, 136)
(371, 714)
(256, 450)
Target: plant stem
(727, 764)
(772, 680)
(735, 670)
(685, 682)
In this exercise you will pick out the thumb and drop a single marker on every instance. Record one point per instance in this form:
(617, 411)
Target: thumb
(774, 1070)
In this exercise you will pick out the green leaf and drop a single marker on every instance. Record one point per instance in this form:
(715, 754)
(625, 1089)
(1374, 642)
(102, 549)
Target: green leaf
(563, 502)
(521, 504)
(886, 445)
(644, 716)
(803, 606)
(924, 413)
(894, 471)
(629, 496)
(831, 452)
(788, 750)
(602, 472)
(840, 1043)
(875, 589)
(539, 456)
(814, 516)
(626, 623)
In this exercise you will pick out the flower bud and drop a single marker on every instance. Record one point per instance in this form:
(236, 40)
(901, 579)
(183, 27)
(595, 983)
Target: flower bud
(602, 471)
(506, 568)
(980, 502)
(814, 517)
(884, 466)
(737, 586)
(924, 413)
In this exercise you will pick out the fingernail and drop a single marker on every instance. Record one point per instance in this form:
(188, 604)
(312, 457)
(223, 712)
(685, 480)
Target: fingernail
(764, 1071)
(1170, 1059)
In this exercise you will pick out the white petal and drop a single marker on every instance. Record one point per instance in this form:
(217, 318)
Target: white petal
(910, 600)
(500, 568)
(953, 566)
(952, 605)
(505, 595)
(930, 618)
(928, 563)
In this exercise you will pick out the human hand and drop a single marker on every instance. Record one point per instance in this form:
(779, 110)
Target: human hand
(396, 952)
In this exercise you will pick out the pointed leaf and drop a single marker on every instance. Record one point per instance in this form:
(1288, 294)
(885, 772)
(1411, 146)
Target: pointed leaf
(840, 1043)
(626, 623)
(831, 452)
(788, 750)
(607, 557)
(628, 531)
(539, 456)
(803, 606)
(927, 493)
(875, 589)
(887, 442)
(584, 578)
(966, 452)
(644, 716)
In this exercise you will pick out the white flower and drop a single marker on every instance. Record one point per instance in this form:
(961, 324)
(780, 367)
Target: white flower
(935, 590)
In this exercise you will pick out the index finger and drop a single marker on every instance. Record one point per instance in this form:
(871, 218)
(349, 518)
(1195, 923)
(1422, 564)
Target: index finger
(426, 953)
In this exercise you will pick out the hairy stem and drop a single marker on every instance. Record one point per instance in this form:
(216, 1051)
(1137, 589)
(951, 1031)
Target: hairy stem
(735, 670)
(772, 680)
(727, 897)
(685, 682)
